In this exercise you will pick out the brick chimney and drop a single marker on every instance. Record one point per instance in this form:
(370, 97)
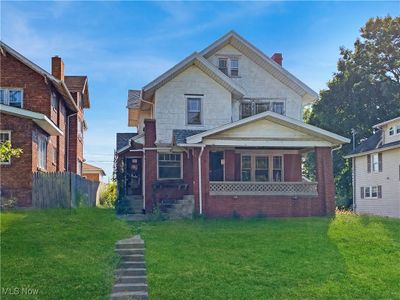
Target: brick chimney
(278, 58)
(57, 67)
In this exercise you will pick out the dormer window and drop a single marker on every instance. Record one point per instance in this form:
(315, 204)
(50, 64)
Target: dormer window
(229, 66)
(11, 96)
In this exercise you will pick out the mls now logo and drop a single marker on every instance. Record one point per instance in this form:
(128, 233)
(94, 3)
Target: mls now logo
(19, 291)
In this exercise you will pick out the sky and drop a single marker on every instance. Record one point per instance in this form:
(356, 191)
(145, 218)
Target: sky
(125, 45)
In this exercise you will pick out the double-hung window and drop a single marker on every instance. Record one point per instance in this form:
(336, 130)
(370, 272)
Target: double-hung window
(246, 168)
(194, 110)
(261, 168)
(234, 67)
(11, 96)
(5, 136)
(277, 168)
(223, 65)
(54, 101)
(169, 166)
(229, 66)
(42, 152)
(391, 131)
(371, 192)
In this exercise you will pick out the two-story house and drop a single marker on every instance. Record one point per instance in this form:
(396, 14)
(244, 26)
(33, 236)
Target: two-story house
(376, 171)
(41, 113)
(225, 125)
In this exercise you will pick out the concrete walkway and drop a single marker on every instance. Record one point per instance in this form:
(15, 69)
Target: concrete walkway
(130, 278)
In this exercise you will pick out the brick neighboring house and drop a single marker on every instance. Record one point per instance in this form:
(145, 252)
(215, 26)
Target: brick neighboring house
(225, 128)
(41, 113)
(92, 173)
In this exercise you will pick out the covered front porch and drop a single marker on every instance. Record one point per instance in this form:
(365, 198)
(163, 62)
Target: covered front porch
(254, 167)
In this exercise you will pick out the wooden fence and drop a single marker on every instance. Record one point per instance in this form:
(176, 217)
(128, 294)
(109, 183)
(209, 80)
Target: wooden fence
(63, 190)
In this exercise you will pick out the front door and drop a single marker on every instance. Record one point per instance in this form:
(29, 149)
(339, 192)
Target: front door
(133, 175)
(216, 166)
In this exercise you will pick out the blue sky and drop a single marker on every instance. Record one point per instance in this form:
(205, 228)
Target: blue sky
(124, 45)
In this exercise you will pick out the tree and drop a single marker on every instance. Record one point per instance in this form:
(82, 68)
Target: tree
(7, 151)
(364, 91)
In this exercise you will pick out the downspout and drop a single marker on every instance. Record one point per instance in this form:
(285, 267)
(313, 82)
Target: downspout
(200, 181)
(354, 204)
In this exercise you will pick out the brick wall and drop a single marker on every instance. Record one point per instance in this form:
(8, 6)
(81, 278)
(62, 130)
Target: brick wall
(292, 167)
(16, 178)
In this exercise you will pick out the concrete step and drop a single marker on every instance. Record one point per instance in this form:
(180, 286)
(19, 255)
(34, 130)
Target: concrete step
(129, 296)
(134, 245)
(131, 272)
(129, 287)
(123, 252)
(133, 264)
(133, 257)
(131, 279)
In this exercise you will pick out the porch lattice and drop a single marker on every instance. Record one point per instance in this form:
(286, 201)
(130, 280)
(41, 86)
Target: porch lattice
(263, 188)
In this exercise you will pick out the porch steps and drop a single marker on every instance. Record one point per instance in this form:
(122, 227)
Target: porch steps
(179, 209)
(130, 278)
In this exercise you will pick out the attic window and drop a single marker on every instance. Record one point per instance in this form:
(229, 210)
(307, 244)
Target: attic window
(391, 130)
(223, 65)
(229, 66)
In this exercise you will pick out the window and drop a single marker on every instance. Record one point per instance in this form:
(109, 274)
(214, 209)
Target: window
(80, 129)
(169, 166)
(54, 101)
(193, 111)
(246, 168)
(234, 67)
(371, 192)
(397, 129)
(11, 96)
(277, 168)
(262, 167)
(79, 167)
(250, 107)
(42, 151)
(391, 131)
(258, 168)
(223, 65)
(229, 66)
(5, 136)
(375, 162)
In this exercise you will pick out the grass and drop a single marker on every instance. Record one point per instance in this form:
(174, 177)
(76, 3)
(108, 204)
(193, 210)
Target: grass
(63, 254)
(348, 257)
(69, 255)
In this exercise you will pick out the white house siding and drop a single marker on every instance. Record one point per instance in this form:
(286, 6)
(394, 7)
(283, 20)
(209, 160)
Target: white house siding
(389, 204)
(391, 138)
(259, 83)
(170, 103)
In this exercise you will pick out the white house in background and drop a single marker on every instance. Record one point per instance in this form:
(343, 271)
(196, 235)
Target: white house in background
(376, 171)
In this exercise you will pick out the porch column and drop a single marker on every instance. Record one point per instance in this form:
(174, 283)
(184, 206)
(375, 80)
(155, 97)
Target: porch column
(204, 178)
(324, 174)
(150, 161)
(229, 165)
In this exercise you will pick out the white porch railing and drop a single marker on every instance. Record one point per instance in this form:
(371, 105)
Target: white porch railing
(240, 188)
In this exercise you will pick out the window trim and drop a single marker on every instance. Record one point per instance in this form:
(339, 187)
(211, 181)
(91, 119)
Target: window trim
(158, 165)
(229, 59)
(45, 139)
(7, 89)
(201, 97)
(370, 188)
(5, 163)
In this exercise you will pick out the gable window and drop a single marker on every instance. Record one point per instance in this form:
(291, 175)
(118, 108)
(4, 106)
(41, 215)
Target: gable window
(194, 111)
(169, 166)
(11, 96)
(229, 66)
(397, 129)
(42, 152)
(223, 65)
(5, 136)
(234, 67)
(250, 107)
(391, 131)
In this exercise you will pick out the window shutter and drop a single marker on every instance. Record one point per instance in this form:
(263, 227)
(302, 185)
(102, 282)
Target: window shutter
(369, 163)
(380, 161)
(379, 191)
(362, 192)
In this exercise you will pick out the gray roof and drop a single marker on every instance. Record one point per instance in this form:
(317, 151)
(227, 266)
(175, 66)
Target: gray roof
(123, 139)
(180, 135)
(374, 142)
(133, 98)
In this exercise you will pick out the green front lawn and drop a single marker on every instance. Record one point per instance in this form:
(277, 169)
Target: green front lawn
(69, 255)
(310, 258)
(64, 254)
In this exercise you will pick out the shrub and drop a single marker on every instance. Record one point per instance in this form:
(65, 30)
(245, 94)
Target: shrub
(7, 202)
(108, 195)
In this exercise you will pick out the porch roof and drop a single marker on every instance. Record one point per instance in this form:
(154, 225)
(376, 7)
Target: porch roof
(267, 129)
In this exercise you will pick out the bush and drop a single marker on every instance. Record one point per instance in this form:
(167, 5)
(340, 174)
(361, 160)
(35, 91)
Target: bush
(108, 195)
(7, 202)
